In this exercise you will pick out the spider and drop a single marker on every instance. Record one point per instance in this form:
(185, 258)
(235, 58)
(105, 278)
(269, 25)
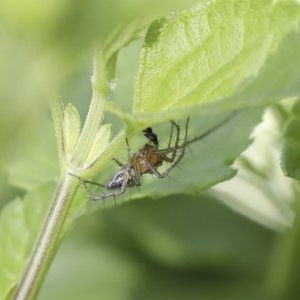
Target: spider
(149, 159)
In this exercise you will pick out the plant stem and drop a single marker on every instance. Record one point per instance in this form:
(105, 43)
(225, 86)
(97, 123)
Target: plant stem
(283, 277)
(50, 233)
(47, 240)
(100, 94)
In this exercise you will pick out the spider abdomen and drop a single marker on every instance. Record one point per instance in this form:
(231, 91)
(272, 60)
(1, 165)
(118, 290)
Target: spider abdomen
(117, 181)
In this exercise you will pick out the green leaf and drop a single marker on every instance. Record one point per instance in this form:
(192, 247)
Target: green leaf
(71, 129)
(217, 51)
(205, 163)
(102, 139)
(214, 58)
(202, 54)
(218, 56)
(290, 158)
(20, 222)
(58, 123)
(260, 191)
(278, 79)
(36, 161)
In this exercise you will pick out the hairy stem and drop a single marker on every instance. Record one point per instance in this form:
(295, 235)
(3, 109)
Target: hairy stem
(47, 240)
(50, 233)
(100, 94)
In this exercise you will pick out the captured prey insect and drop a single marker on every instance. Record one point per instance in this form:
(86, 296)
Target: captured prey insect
(149, 159)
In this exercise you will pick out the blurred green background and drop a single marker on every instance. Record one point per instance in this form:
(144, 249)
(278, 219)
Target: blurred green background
(175, 248)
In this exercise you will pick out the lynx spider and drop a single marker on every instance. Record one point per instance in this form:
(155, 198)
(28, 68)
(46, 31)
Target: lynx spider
(148, 159)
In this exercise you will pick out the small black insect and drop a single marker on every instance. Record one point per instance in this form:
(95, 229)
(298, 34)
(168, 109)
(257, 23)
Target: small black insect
(148, 133)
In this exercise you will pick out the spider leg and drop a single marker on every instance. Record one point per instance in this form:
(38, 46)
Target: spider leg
(174, 161)
(128, 151)
(128, 148)
(93, 183)
(86, 187)
(176, 147)
(176, 141)
(201, 136)
(84, 182)
(171, 134)
(136, 176)
(118, 162)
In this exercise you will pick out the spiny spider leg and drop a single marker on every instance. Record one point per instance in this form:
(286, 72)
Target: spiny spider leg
(118, 162)
(177, 139)
(171, 134)
(200, 137)
(136, 175)
(84, 184)
(128, 147)
(174, 162)
(94, 183)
